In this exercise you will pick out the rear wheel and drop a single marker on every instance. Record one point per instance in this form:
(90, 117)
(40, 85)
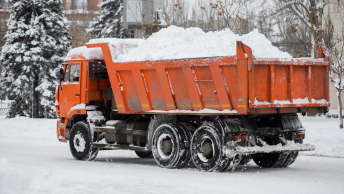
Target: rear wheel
(144, 154)
(80, 142)
(290, 159)
(206, 152)
(170, 146)
(269, 160)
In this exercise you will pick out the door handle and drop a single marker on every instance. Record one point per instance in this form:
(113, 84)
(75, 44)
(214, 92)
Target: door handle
(77, 95)
(61, 88)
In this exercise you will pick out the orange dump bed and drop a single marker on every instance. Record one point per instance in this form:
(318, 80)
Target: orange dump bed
(220, 85)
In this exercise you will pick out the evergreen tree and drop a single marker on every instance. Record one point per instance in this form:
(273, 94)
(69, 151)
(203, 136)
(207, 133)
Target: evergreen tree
(110, 23)
(36, 43)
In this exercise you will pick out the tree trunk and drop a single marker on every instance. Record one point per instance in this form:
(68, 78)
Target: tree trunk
(339, 95)
(35, 98)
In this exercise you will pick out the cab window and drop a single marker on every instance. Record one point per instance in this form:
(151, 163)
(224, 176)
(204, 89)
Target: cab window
(74, 73)
(66, 74)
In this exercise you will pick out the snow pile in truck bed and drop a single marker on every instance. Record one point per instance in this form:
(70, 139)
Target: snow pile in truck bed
(179, 43)
(117, 46)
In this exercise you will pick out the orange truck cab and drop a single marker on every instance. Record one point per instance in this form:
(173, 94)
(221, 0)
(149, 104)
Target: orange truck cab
(217, 112)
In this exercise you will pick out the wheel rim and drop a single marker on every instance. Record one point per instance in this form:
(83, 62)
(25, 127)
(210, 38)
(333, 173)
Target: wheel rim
(206, 152)
(165, 146)
(79, 142)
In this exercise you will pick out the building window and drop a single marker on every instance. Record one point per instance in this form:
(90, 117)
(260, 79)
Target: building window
(80, 4)
(5, 4)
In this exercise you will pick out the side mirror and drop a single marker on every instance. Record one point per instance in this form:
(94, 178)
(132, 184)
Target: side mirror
(61, 74)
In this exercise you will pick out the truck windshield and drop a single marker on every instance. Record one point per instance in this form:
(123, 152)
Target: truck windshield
(66, 74)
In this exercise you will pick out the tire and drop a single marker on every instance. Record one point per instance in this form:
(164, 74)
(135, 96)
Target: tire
(186, 137)
(245, 159)
(80, 142)
(269, 160)
(170, 146)
(290, 159)
(206, 149)
(144, 154)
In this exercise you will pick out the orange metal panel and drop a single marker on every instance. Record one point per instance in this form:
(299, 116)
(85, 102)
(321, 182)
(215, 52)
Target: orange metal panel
(231, 75)
(179, 88)
(141, 90)
(242, 80)
(205, 85)
(272, 88)
(300, 82)
(130, 92)
(194, 93)
(281, 83)
(291, 83)
(220, 87)
(309, 84)
(166, 89)
(155, 92)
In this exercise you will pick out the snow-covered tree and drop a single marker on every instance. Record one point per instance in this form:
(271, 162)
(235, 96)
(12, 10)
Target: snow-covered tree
(337, 49)
(110, 23)
(36, 43)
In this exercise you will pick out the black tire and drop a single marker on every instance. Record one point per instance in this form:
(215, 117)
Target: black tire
(245, 159)
(206, 149)
(169, 146)
(290, 159)
(269, 160)
(144, 154)
(80, 142)
(185, 134)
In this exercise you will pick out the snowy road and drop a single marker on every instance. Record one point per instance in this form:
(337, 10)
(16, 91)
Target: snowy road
(32, 161)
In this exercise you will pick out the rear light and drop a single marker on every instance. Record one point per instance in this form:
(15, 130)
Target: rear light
(242, 137)
(297, 136)
(300, 136)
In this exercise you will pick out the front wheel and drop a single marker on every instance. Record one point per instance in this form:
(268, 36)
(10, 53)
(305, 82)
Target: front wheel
(80, 142)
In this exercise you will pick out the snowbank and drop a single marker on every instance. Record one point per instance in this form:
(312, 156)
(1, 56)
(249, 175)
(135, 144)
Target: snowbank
(178, 43)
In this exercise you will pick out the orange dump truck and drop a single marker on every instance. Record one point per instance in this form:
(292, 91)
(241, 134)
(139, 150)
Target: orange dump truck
(215, 113)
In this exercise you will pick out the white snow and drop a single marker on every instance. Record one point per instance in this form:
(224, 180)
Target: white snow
(87, 53)
(78, 106)
(301, 101)
(179, 43)
(33, 161)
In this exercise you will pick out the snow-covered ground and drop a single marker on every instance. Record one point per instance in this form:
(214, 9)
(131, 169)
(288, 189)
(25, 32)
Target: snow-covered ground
(33, 161)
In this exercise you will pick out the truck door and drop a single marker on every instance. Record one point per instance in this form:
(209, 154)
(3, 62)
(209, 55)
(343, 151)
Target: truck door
(69, 95)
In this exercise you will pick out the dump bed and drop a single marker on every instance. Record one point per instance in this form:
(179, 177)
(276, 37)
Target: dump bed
(229, 85)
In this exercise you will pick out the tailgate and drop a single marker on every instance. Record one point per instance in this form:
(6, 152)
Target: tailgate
(293, 83)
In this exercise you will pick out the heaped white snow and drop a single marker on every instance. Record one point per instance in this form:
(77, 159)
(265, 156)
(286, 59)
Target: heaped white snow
(33, 161)
(179, 43)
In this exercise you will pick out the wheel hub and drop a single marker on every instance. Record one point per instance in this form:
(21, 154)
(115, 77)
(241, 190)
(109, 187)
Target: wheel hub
(167, 146)
(207, 149)
(79, 142)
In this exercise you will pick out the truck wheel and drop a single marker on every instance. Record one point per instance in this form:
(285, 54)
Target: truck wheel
(169, 146)
(186, 137)
(144, 154)
(80, 144)
(269, 160)
(290, 159)
(206, 152)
